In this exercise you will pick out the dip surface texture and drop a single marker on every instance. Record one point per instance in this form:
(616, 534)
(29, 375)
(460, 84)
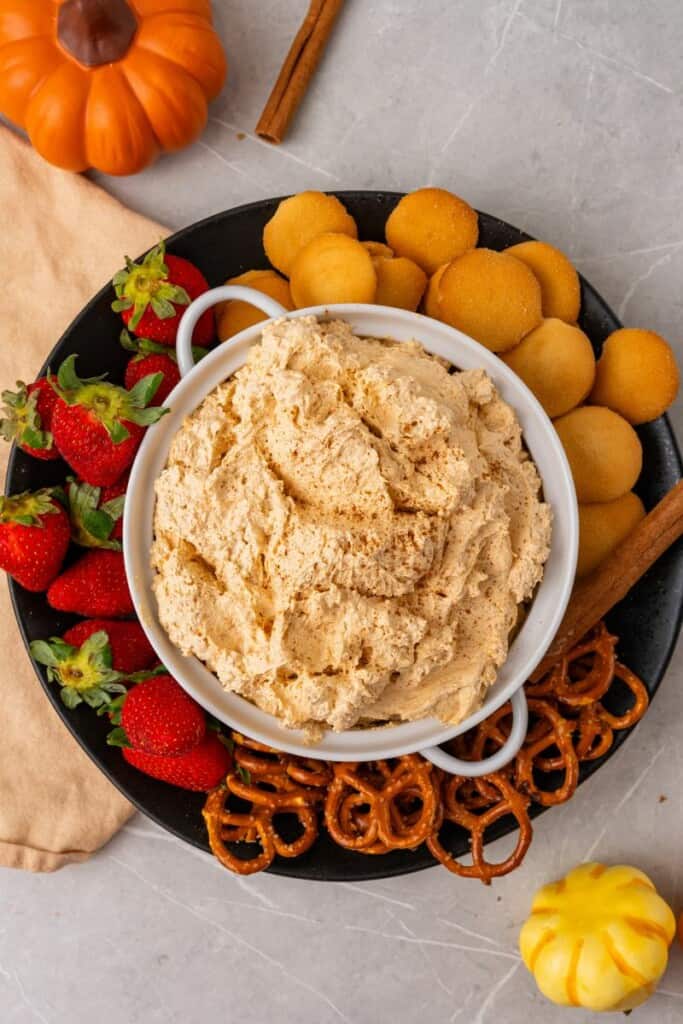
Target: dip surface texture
(345, 532)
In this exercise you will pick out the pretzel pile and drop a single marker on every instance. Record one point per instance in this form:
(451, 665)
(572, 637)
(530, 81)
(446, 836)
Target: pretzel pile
(380, 806)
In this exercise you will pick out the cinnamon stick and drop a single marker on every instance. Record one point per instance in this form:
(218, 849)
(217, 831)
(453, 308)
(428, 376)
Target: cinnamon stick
(597, 594)
(297, 70)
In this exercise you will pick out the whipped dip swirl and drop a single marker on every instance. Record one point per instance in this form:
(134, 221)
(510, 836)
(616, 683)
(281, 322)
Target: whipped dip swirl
(346, 533)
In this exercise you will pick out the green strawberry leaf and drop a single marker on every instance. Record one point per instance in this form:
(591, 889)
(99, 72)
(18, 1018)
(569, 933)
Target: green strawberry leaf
(61, 649)
(42, 652)
(155, 257)
(36, 438)
(83, 495)
(117, 738)
(8, 429)
(27, 521)
(98, 650)
(68, 384)
(115, 708)
(98, 524)
(114, 507)
(120, 277)
(14, 399)
(180, 296)
(148, 673)
(146, 347)
(28, 508)
(146, 417)
(244, 774)
(21, 422)
(118, 688)
(137, 315)
(144, 391)
(96, 697)
(117, 431)
(227, 741)
(127, 341)
(91, 527)
(70, 697)
(59, 494)
(67, 377)
(163, 308)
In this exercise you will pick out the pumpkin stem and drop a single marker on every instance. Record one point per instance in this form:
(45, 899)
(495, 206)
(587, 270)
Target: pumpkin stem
(96, 32)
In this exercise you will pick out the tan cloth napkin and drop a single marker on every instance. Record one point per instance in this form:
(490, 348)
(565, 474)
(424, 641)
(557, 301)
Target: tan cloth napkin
(62, 237)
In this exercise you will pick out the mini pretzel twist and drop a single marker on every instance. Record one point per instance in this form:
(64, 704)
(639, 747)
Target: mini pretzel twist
(226, 825)
(510, 801)
(594, 735)
(549, 730)
(584, 675)
(641, 700)
(272, 783)
(382, 808)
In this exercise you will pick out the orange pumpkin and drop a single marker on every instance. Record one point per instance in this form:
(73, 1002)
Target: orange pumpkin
(108, 83)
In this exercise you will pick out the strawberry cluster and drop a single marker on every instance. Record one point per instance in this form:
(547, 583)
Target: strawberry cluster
(105, 661)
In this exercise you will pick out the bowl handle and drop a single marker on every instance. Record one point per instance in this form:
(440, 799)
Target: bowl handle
(205, 301)
(475, 769)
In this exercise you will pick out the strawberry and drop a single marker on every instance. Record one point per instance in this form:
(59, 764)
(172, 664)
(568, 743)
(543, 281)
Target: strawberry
(94, 520)
(163, 364)
(28, 419)
(97, 426)
(111, 492)
(95, 586)
(34, 537)
(158, 717)
(151, 296)
(84, 673)
(199, 769)
(152, 358)
(131, 651)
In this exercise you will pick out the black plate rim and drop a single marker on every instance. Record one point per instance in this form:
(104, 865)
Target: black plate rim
(374, 870)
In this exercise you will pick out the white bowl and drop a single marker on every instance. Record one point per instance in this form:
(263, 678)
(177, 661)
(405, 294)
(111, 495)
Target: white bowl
(546, 609)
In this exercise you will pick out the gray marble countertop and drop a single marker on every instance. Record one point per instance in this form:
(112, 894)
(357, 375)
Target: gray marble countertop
(564, 117)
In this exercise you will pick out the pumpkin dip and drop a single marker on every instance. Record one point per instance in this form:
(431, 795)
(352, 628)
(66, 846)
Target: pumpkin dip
(345, 531)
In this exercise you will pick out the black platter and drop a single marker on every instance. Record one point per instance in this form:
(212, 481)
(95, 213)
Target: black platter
(227, 244)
